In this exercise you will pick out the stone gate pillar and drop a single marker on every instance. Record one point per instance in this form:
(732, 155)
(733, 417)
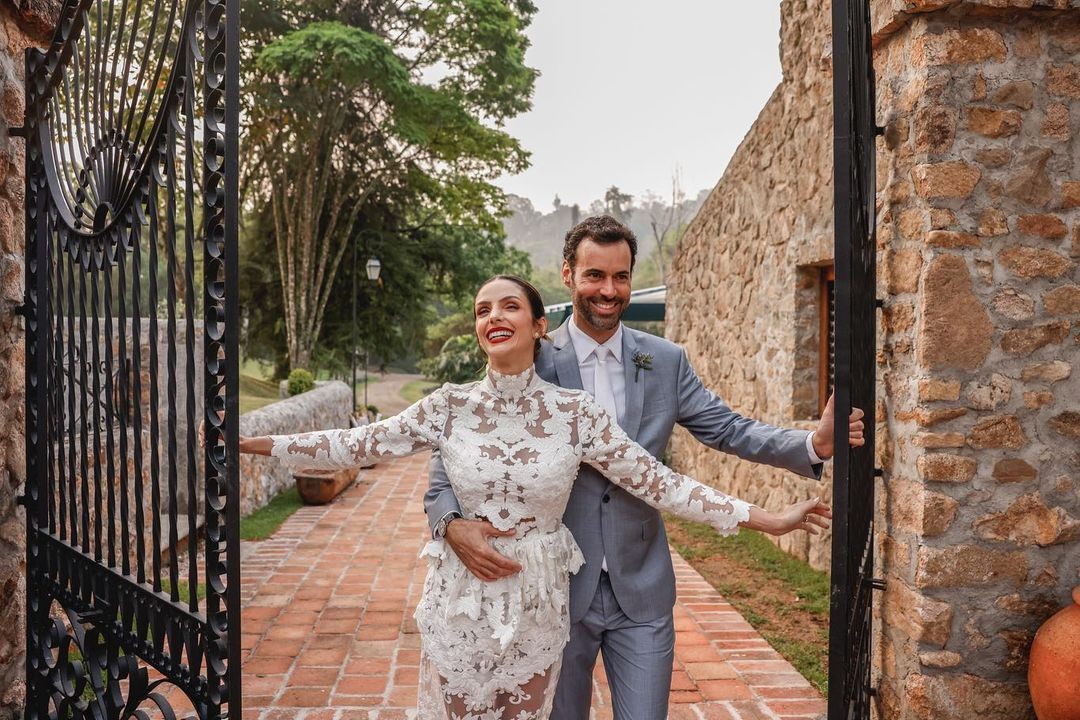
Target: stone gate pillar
(979, 233)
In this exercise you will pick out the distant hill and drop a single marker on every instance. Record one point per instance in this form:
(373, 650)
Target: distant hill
(541, 234)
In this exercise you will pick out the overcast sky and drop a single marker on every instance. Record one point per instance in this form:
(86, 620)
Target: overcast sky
(631, 88)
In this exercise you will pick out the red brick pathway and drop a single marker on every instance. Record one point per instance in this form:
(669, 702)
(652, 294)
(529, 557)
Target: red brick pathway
(329, 634)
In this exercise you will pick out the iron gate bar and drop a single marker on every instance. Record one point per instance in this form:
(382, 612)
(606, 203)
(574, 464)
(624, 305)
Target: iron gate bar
(93, 197)
(854, 149)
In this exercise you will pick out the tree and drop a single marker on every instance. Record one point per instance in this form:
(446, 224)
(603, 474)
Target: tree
(343, 111)
(617, 204)
(418, 264)
(666, 222)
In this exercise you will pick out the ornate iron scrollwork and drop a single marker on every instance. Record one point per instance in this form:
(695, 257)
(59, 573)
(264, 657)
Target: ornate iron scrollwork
(131, 343)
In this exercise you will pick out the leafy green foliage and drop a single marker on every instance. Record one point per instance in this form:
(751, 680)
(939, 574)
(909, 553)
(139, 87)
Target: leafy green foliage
(300, 381)
(459, 361)
(377, 125)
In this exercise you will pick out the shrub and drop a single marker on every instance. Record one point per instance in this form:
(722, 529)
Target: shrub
(300, 381)
(460, 361)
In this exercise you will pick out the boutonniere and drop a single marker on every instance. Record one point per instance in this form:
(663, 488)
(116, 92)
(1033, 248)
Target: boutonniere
(642, 361)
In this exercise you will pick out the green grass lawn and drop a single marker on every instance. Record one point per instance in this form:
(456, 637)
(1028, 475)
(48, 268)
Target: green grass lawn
(785, 599)
(255, 392)
(262, 523)
(183, 588)
(413, 391)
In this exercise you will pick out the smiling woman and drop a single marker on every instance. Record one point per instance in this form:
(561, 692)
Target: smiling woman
(509, 315)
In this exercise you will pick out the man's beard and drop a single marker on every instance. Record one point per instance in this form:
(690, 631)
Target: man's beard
(585, 311)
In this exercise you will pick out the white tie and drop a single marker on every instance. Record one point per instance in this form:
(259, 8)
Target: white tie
(602, 382)
(606, 399)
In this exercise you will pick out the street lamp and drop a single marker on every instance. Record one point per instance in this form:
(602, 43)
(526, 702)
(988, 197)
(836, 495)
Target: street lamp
(373, 267)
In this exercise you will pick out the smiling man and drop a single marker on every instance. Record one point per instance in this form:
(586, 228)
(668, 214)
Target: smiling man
(621, 601)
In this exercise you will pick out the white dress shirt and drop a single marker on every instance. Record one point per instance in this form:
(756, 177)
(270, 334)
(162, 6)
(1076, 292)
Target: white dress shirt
(585, 349)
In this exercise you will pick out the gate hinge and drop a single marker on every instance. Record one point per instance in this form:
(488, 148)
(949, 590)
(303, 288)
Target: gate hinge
(879, 303)
(17, 131)
(20, 500)
(878, 472)
(879, 130)
(877, 583)
(871, 691)
(20, 309)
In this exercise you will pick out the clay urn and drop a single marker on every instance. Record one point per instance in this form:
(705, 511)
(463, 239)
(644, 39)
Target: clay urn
(1054, 668)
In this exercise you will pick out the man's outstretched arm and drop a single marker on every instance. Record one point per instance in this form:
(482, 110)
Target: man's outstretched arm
(716, 425)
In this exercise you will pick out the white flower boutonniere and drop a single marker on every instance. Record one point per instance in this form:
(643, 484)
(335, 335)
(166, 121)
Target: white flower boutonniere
(642, 361)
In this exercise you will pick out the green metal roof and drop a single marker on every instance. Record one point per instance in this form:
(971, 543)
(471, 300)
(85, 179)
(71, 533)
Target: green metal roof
(646, 305)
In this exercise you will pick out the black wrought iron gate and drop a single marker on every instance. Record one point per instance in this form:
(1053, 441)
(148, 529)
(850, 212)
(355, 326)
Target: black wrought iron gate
(854, 148)
(133, 572)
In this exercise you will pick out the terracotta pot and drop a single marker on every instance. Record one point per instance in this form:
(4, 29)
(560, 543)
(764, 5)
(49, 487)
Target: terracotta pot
(318, 487)
(1054, 668)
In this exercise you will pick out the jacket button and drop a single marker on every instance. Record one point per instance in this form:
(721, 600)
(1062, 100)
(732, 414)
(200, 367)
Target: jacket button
(607, 498)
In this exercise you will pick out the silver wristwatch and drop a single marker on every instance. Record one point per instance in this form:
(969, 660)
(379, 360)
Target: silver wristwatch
(440, 527)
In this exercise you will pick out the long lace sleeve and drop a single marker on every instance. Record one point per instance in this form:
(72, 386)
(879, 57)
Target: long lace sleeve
(418, 427)
(606, 447)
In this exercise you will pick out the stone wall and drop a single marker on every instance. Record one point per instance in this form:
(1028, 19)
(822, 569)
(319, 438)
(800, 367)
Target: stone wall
(979, 237)
(980, 232)
(22, 25)
(734, 298)
(326, 407)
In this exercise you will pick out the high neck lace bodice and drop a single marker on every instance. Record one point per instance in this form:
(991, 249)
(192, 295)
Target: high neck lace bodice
(510, 387)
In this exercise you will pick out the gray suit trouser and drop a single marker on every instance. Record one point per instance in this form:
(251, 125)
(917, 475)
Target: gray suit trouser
(637, 659)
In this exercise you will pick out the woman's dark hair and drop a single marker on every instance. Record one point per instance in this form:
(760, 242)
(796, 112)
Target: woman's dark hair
(602, 229)
(536, 301)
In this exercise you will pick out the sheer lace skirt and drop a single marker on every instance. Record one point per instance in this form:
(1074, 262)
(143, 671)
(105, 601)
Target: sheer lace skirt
(493, 650)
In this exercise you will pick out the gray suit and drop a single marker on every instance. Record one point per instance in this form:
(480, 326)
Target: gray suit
(608, 521)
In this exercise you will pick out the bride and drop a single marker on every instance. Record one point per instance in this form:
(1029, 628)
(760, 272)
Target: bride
(511, 444)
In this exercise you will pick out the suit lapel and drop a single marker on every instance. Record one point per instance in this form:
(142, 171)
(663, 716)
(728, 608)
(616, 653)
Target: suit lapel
(566, 364)
(635, 387)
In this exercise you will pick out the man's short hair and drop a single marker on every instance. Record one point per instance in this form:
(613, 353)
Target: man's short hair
(602, 229)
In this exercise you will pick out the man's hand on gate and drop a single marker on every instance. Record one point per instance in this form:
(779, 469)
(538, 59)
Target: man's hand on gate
(469, 541)
(823, 436)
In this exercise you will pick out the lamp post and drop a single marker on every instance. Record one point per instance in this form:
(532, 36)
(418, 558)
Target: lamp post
(373, 268)
(353, 358)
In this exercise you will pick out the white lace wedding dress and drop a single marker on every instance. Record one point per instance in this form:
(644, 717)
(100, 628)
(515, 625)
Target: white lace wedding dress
(511, 445)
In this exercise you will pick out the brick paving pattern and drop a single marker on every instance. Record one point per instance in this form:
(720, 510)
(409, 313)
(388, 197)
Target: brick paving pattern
(329, 634)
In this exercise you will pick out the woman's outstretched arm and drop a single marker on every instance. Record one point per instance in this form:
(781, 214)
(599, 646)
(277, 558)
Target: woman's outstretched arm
(418, 427)
(625, 463)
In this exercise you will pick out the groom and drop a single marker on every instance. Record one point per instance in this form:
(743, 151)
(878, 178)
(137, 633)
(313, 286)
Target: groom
(621, 601)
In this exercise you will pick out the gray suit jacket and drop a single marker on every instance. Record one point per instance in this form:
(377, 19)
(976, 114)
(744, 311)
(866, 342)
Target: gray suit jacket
(605, 519)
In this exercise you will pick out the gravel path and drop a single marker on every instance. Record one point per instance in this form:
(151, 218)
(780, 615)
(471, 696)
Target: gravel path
(386, 393)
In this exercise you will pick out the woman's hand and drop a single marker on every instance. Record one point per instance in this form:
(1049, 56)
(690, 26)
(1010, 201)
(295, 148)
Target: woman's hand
(247, 444)
(810, 515)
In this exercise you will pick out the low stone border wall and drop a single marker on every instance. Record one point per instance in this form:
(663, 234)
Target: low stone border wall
(324, 408)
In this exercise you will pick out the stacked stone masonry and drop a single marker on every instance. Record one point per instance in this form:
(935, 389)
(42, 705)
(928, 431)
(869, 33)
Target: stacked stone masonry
(979, 343)
(742, 290)
(23, 24)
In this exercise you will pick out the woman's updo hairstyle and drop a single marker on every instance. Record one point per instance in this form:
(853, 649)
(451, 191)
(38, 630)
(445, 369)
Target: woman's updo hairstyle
(536, 301)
